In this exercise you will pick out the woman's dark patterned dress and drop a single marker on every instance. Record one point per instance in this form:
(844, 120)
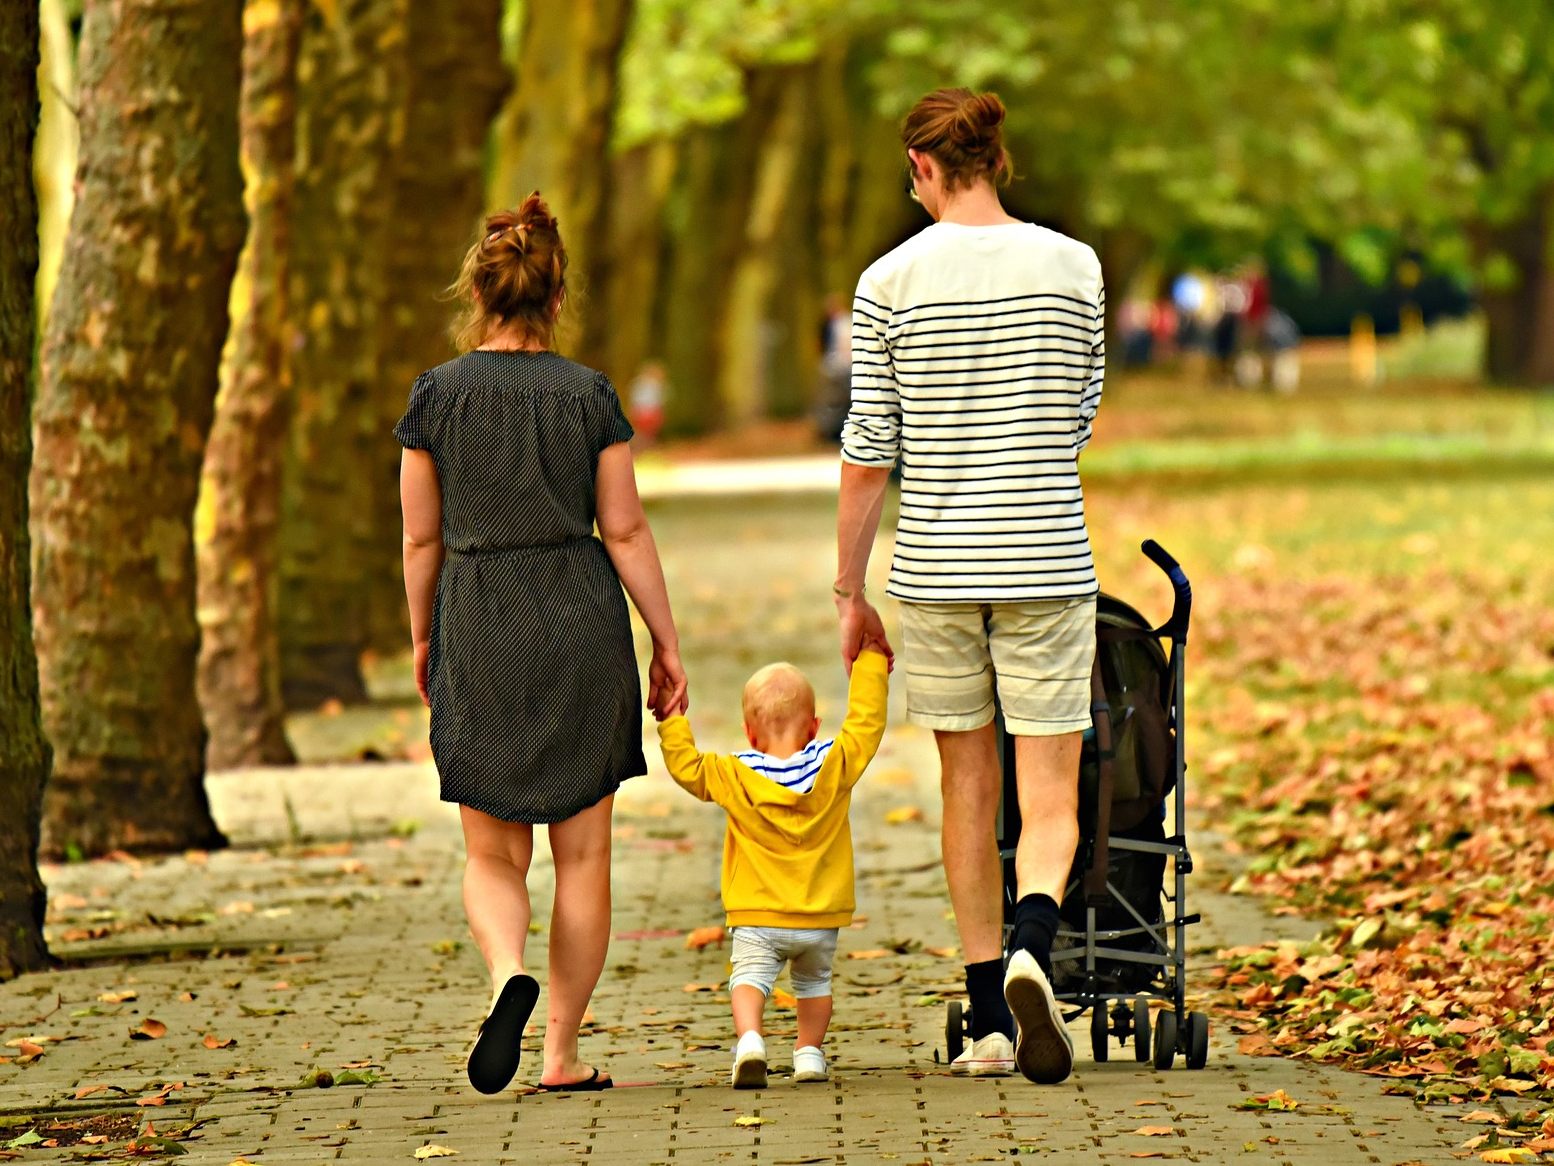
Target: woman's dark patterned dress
(536, 704)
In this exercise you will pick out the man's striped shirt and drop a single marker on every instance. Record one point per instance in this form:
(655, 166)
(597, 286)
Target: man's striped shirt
(978, 356)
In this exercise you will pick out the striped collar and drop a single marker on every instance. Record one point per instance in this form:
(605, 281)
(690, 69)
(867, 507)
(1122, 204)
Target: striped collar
(796, 773)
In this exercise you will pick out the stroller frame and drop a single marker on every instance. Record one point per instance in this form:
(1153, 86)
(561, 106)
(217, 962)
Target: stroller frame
(1117, 1010)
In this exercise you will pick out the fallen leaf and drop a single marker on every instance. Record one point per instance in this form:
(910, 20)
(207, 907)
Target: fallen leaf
(877, 953)
(1508, 1154)
(119, 997)
(745, 1121)
(212, 1041)
(704, 937)
(783, 999)
(1155, 1131)
(435, 1152)
(150, 1029)
(903, 814)
(86, 1091)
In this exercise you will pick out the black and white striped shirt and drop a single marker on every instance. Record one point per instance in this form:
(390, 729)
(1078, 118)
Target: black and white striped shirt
(978, 355)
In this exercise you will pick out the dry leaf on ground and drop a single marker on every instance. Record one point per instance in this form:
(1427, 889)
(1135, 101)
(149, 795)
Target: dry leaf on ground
(704, 937)
(150, 1029)
(1155, 1131)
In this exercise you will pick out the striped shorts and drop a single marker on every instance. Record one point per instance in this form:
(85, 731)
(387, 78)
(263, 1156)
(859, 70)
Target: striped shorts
(1038, 653)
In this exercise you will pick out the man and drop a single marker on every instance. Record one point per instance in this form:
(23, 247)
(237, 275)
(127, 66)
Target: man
(978, 350)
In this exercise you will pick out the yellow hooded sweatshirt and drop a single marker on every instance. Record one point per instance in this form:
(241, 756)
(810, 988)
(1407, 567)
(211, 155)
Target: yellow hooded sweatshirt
(788, 856)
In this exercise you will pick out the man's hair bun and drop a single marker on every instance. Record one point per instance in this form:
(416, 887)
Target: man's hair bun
(964, 133)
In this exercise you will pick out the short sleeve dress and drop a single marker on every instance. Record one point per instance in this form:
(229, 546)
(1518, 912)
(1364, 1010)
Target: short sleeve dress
(536, 702)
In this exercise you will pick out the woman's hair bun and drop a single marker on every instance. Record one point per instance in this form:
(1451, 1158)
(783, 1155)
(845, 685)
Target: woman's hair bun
(977, 121)
(513, 275)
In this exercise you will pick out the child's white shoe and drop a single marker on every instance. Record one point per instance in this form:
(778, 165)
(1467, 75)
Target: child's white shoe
(749, 1062)
(809, 1064)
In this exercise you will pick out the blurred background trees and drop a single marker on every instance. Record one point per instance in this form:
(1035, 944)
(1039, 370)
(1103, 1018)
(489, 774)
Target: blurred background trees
(720, 168)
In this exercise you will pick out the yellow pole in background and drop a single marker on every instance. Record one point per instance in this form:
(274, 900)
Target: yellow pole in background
(1362, 351)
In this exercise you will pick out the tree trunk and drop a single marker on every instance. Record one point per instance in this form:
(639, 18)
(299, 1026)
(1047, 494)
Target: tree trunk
(707, 230)
(57, 143)
(555, 138)
(640, 181)
(1519, 319)
(239, 511)
(453, 89)
(755, 325)
(350, 108)
(131, 360)
(24, 755)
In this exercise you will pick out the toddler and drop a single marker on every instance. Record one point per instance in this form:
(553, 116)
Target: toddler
(788, 848)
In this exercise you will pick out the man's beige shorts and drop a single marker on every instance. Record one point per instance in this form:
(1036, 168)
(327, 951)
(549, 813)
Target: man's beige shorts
(1039, 652)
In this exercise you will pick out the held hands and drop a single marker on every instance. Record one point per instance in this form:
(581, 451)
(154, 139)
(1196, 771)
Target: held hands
(861, 628)
(668, 689)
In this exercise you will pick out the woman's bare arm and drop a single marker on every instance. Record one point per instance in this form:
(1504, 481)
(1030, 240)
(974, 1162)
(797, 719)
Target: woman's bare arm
(420, 500)
(624, 530)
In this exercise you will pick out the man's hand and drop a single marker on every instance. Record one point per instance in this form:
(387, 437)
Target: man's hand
(861, 628)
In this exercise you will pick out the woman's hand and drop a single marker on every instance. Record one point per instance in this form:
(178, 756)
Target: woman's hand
(422, 651)
(861, 628)
(668, 689)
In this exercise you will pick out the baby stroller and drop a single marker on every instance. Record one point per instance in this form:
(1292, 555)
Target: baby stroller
(1123, 937)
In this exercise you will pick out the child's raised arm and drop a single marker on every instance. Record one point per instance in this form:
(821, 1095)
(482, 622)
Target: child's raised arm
(699, 774)
(864, 726)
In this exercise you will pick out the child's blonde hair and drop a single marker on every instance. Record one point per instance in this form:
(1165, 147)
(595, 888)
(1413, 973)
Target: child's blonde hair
(779, 697)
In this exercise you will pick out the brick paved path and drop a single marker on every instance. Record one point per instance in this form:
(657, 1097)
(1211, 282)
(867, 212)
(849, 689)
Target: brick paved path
(339, 944)
(338, 958)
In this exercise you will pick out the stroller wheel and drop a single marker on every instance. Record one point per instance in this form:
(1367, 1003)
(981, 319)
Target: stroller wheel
(1197, 1040)
(1165, 1039)
(1141, 1043)
(954, 1029)
(1099, 1032)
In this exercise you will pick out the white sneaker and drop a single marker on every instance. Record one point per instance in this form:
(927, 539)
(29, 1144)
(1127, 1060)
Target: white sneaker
(809, 1064)
(749, 1070)
(991, 1056)
(1042, 1048)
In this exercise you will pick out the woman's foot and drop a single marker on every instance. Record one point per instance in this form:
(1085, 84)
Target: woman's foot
(498, 1047)
(578, 1078)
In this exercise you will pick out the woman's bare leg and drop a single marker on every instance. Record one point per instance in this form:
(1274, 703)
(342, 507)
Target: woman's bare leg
(496, 890)
(579, 933)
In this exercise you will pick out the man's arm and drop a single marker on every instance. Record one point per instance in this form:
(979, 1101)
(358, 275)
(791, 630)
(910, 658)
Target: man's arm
(1090, 400)
(871, 443)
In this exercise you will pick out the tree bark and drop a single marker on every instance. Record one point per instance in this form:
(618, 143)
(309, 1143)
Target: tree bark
(57, 143)
(757, 329)
(1519, 319)
(707, 225)
(639, 184)
(239, 510)
(350, 122)
(555, 138)
(454, 87)
(24, 754)
(131, 361)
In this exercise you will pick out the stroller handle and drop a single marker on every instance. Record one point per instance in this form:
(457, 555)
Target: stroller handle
(1181, 607)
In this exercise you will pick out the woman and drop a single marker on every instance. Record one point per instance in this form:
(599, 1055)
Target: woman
(977, 361)
(523, 644)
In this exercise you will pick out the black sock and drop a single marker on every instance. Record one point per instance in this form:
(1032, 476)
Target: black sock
(985, 986)
(1035, 926)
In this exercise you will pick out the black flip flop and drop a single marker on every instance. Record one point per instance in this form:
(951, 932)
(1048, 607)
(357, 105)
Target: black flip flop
(494, 1059)
(592, 1083)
